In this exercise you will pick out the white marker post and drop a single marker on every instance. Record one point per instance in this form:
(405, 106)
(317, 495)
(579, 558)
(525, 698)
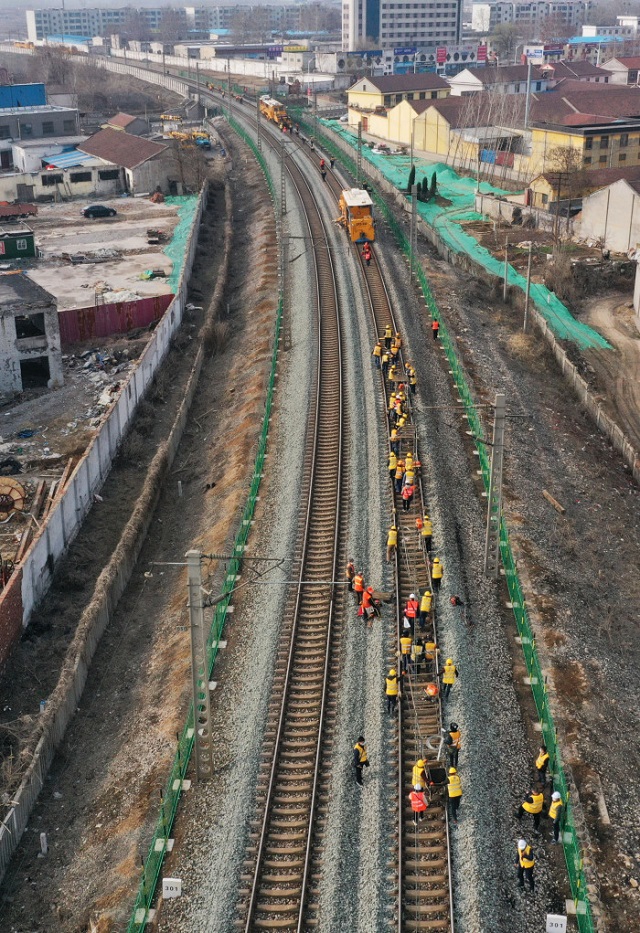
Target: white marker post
(556, 923)
(171, 887)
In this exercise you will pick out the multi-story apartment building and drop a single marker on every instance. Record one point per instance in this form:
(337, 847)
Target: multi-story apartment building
(102, 21)
(389, 23)
(486, 16)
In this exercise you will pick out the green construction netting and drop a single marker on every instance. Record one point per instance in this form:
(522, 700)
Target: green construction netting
(460, 190)
(176, 250)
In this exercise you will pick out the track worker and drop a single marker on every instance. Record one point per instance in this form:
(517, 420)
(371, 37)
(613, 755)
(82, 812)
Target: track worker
(360, 759)
(384, 362)
(392, 375)
(437, 570)
(455, 794)
(358, 585)
(405, 649)
(532, 804)
(391, 690)
(377, 354)
(555, 813)
(392, 542)
(425, 608)
(394, 441)
(427, 532)
(542, 763)
(435, 327)
(366, 253)
(399, 475)
(453, 743)
(448, 674)
(393, 464)
(418, 802)
(525, 864)
(409, 463)
(350, 572)
(411, 608)
(388, 336)
(419, 773)
(407, 496)
(413, 379)
(397, 341)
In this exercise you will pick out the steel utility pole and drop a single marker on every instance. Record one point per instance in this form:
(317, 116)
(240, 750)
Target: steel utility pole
(413, 232)
(528, 289)
(359, 160)
(258, 136)
(506, 271)
(494, 503)
(199, 670)
(283, 178)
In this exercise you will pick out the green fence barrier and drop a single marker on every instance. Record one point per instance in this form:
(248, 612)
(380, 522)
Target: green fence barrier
(571, 845)
(173, 788)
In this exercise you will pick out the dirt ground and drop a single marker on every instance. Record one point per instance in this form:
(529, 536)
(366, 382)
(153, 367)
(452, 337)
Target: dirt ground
(60, 228)
(580, 568)
(117, 751)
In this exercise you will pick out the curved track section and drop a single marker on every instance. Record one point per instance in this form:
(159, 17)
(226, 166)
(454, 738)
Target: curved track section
(290, 790)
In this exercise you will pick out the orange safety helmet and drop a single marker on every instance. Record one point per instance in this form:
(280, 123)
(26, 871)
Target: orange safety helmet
(431, 690)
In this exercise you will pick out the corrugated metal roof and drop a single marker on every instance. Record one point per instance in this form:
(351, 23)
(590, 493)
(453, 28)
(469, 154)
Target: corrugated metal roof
(68, 159)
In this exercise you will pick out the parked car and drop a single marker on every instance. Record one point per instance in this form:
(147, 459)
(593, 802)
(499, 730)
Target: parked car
(98, 210)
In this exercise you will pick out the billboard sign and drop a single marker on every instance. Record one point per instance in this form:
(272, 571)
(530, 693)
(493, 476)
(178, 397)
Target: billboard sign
(365, 53)
(409, 50)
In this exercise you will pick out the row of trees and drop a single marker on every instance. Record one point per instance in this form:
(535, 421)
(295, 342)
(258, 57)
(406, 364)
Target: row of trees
(425, 190)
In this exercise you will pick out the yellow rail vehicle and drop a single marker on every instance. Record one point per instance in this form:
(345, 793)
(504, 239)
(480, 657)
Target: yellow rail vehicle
(273, 110)
(356, 215)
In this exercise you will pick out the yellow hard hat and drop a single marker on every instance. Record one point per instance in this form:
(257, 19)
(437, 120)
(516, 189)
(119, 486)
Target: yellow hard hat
(427, 592)
(452, 771)
(420, 763)
(436, 560)
(449, 660)
(392, 672)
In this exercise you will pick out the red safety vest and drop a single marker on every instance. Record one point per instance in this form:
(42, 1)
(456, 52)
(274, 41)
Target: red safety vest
(412, 608)
(418, 801)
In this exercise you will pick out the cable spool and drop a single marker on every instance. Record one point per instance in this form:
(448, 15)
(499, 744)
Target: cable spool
(12, 497)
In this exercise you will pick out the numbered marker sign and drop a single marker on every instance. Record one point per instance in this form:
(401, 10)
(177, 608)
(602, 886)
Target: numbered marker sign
(556, 924)
(172, 887)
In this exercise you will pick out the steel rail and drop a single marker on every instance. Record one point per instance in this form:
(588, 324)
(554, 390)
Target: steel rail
(265, 908)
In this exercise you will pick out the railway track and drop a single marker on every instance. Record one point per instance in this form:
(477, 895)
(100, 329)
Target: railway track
(290, 788)
(291, 791)
(423, 868)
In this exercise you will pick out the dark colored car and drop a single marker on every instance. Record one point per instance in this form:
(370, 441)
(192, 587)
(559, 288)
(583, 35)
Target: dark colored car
(98, 210)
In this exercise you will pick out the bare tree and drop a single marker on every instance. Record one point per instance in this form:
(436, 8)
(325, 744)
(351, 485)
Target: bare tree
(135, 27)
(504, 40)
(569, 178)
(173, 25)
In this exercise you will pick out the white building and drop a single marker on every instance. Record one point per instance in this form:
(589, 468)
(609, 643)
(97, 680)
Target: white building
(389, 24)
(532, 13)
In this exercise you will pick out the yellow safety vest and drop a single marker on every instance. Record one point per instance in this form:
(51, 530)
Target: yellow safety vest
(362, 752)
(393, 461)
(456, 738)
(455, 785)
(425, 602)
(449, 674)
(430, 649)
(536, 806)
(555, 808)
(409, 462)
(541, 760)
(377, 350)
(416, 652)
(419, 775)
(392, 538)
(427, 527)
(405, 645)
(392, 686)
(436, 571)
(526, 858)
(388, 332)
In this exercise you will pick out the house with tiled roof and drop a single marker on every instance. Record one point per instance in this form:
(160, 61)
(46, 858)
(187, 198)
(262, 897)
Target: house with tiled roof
(145, 164)
(126, 123)
(623, 69)
(378, 93)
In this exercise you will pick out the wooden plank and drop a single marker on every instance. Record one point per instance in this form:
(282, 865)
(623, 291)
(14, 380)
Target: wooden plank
(554, 502)
(27, 534)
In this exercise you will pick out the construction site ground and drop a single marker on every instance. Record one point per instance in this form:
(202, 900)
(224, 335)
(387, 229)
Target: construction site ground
(118, 243)
(581, 571)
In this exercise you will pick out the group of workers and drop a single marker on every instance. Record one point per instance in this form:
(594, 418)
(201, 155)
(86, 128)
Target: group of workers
(536, 806)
